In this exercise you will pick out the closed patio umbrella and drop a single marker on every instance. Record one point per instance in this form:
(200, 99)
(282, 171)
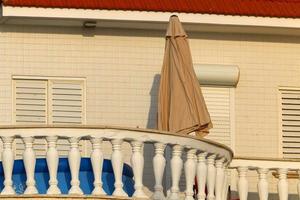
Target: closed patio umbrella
(181, 106)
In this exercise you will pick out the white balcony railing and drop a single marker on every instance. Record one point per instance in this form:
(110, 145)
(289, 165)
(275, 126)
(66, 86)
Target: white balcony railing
(263, 166)
(206, 159)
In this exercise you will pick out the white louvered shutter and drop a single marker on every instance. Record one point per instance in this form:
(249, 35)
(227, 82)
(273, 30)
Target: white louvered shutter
(66, 106)
(66, 102)
(48, 102)
(218, 104)
(30, 107)
(30, 101)
(290, 121)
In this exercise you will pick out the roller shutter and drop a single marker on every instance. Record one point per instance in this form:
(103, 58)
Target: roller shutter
(218, 104)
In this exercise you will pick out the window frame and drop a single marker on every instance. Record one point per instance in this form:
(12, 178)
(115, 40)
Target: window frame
(48, 79)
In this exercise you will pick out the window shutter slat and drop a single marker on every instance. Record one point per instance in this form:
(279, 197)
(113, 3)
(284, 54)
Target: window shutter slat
(30, 101)
(290, 121)
(218, 104)
(66, 102)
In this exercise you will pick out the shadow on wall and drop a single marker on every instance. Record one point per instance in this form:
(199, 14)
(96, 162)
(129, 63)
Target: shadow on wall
(152, 124)
(152, 114)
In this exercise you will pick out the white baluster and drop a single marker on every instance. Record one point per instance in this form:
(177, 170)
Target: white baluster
(97, 164)
(159, 164)
(29, 163)
(176, 168)
(201, 175)
(298, 186)
(190, 173)
(137, 162)
(219, 178)
(283, 184)
(226, 183)
(211, 177)
(262, 185)
(74, 163)
(7, 162)
(117, 163)
(52, 162)
(243, 183)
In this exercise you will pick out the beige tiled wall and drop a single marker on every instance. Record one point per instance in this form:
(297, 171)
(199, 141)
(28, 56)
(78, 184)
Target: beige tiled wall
(122, 71)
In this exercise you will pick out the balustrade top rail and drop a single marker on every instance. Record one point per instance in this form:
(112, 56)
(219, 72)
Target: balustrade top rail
(265, 162)
(116, 132)
(267, 158)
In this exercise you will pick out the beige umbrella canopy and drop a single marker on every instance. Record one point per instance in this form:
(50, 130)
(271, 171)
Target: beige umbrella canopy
(181, 106)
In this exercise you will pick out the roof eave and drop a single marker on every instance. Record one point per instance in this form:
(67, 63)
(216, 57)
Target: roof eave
(158, 20)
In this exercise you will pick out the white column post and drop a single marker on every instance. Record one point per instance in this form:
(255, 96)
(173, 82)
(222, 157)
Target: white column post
(8, 163)
(137, 162)
(29, 163)
(190, 173)
(211, 177)
(97, 164)
(262, 185)
(159, 164)
(243, 183)
(201, 175)
(283, 184)
(298, 186)
(117, 163)
(219, 178)
(52, 162)
(74, 163)
(176, 168)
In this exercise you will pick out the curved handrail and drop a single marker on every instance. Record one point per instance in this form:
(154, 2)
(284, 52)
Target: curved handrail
(117, 132)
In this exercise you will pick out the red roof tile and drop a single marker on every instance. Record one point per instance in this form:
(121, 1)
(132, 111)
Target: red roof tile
(266, 8)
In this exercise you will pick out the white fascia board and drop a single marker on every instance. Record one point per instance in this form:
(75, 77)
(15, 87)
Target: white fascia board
(144, 16)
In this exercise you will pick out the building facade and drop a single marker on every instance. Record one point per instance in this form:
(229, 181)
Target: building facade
(109, 74)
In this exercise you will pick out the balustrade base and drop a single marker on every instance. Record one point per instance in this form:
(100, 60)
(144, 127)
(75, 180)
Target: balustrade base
(119, 193)
(98, 191)
(8, 190)
(174, 196)
(53, 190)
(140, 194)
(75, 190)
(158, 195)
(31, 190)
